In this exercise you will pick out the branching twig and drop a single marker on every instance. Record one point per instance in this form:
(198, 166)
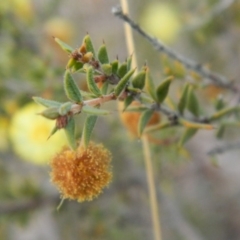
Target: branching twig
(215, 78)
(215, 11)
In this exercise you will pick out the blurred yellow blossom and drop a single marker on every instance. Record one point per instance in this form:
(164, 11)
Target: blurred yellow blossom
(4, 124)
(161, 20)
(29, 133)
(22, 9)
(60, 28)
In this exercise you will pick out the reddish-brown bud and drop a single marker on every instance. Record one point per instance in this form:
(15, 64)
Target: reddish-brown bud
(62, 121)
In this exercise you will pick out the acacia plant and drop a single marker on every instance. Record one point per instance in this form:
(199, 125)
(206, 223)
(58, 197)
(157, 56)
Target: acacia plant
(83, 169)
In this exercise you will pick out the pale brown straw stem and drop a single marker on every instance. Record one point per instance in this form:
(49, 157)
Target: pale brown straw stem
(146, 147)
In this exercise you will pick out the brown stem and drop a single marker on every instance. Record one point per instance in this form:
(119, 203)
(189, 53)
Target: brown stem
(76, 108)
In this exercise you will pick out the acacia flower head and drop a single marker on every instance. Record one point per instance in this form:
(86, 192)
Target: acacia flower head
(82, 174)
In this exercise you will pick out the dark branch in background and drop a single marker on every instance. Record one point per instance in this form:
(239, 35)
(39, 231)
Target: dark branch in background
(224, 148)
(218, 9)
(214, 77)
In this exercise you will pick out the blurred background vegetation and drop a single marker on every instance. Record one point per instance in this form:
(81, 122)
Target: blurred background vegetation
(199, 196)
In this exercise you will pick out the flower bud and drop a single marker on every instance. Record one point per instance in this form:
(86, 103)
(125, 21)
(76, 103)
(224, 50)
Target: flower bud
(50, 113)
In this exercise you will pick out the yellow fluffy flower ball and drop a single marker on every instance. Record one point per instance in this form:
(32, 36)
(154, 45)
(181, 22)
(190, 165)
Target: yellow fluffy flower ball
(161, 20)
(81, 175)
(29, 133)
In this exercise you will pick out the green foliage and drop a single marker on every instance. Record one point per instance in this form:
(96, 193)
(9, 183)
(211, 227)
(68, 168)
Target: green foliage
(71, 89)
(162, 89)
(91, 83)
(70, 133)
(89, 45)
(123, 82)
(88, 129)
(104, 88)
(94, 111)
(127, 102)
(192, 102)
(144, 119)
(114, 66)
(150, 87)
(122, 70)
(129, 63)
(139, 80)
(51, 113)
(65, 108)
(108, 80)
(46, 102)
(63, 45)
(187, 135)
(103, 55)
(183, 99)
(54, 130)
(107, 69)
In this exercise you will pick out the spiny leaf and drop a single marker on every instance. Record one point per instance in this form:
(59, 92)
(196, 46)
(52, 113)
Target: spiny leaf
(122, 70)
(139, 80)
(89, 46)
(163, 88)
(50, 113)
(183, 99)
(107, 69)
(123, 82)
(114, 66)
(46, 102)
(103, 55)
(150, 85)
(104, 88)
(129, 63)
(77, 66)
(71, 63)
(54, 130)
(187, 135)
(92, 86)
(127, 101)
(144, 119)
(94, 111)
(70, 133)
(63, 45)
(71, 89)
(88, 129)
(192, 102)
